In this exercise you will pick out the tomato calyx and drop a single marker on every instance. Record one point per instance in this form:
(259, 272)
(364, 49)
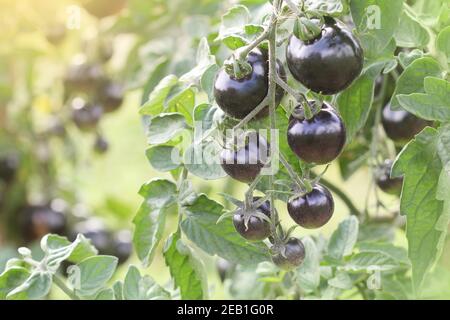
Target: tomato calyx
(237, 68)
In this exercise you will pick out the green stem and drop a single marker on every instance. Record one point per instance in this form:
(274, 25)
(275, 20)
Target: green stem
(60, 283)
(292, 173)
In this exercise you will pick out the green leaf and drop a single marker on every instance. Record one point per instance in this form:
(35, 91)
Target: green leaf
(325, 7)
(164, 158)
(410, 33)
(308, 274)
(36, 286)
(343, 239)
(443, 43)
(165, 127)
(201, 227)
(376, 22)
(234, 21)
(234, 42)
(411, 80)
(183, 103)
(396, 253)
(136, 287)
(355, 102)
(105, 294)
(406, 58)
(187, 271)
(11, 279)
(94, 273)
(432, 105)
(155, 102)
(370, 261)
(341, 281)
(422, 168)
(204, 61)
(150, 219)
(203, 160)
(59, 249)
(207, 81)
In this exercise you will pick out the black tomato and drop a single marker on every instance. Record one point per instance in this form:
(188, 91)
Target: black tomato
(290, 255)
(329, 63)
(320, 139)
(39, 220)
(122, 246)
(85, 115)
(111, 96)
(101, 238)
(238, 97)
(385, 182)
(104, 8)
(101, 145)
(257, 229)
(245, 164)
(400, 125)
(83, 77)
(9, 165)
(312, 210)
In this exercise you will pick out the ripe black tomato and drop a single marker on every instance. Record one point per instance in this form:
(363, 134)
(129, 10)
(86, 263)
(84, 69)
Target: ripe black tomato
(312, 210)
(320, 139)
(238, 97)
(290, 255)
(329, 63)
(257, 229)
(110, 96)
(385, 182)
(39, 220)
(400, 125)
(85, 115)
(83, 77)
(245, 163)
(9, 165)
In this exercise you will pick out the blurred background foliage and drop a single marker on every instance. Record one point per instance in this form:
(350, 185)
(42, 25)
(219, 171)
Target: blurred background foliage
(148, 39)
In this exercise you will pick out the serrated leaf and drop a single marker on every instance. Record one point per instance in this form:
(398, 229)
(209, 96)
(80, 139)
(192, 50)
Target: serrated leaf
(341, 281)
(204, 61)
(412, 79)
(443, 42)
(203, 160)
(183, 103)
(164, 158)
(136, 287)
(308, 274)
(186, 270)
(410, 33)
(234, 21)
(155, 102)
(388, 249)
(406, 58)
(219, 239)
(325, 7)
(150, 219)
(94, 273)
(433, 105)
(422, 168)
(343, 239)
(36, 286)
(369, 262)
(165, 127)
(11, 279)
(376, 22)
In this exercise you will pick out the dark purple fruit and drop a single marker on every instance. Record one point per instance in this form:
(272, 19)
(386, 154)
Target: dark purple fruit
(9, 166)
(289, 255)
(257, 229)
(85, 115)
(110, 96)
(122, 246)
(245, 164)
(320, 139)
(312, 210)
(37, 221)
(101, 145)
(329, 63)
(385, 182)
(401, 126)
(83, 77)
(238, 97)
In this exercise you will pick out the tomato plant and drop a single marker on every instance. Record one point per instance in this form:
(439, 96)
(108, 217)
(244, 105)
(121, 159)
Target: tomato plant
(285, 103)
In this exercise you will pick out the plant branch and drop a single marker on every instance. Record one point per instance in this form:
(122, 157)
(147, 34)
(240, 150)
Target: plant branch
(293, 7)
(60, 283)
(252, 114)
(292, 173)
(288, 89)
(244, 51)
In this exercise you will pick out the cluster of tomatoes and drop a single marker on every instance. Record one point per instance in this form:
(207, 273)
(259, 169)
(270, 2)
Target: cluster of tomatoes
(327, 64)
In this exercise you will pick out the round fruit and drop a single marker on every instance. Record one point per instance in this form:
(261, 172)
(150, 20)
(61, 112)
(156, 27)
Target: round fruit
(329, 63)
(104, 8)
(312, 210)
(290, 255)
(122, 246)
(401, 126)
(320, 139)
(93, 230)
(385, 182)
(245, 164)
(9, 165)
(101, 145)
(256, 229)
(224, 268)
(238, 97)
(37, 221)
(85, 115)
(111, 96)
(83, 77)
(56, 34)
